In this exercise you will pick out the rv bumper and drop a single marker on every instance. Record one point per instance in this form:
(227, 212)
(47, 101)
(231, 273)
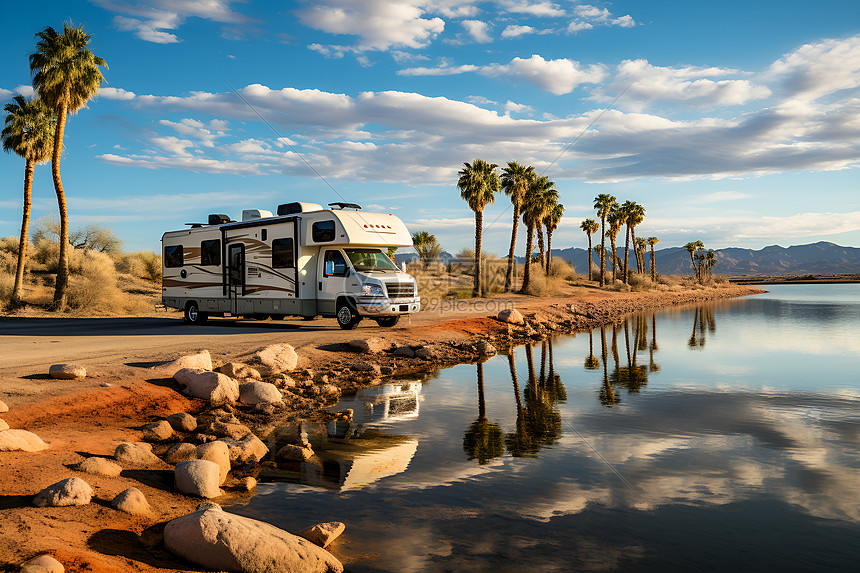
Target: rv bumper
(386, 307)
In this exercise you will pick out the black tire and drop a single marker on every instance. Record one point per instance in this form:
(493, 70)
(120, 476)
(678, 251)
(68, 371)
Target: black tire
(388, 321)
(347, 317)
(193, 316)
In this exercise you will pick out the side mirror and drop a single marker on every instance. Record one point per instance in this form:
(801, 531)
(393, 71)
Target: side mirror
(329, 268)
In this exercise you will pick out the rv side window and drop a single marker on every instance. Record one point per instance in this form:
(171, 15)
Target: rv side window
(323, 232)
(173, 256)
(282, 254)
(210, 253)
(339, 267)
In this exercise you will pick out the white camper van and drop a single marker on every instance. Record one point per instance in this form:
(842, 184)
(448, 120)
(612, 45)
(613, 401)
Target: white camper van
(305, 261)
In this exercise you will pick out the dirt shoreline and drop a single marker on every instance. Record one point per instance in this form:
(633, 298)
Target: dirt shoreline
(79, 420)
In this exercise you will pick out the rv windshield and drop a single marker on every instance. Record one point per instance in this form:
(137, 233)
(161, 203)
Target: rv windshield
(370, 260)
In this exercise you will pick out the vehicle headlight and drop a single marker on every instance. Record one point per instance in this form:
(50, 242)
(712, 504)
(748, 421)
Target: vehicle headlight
(372, 290)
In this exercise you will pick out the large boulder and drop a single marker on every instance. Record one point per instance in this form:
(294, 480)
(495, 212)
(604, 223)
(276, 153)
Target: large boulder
(70, 491)
(511, 316)
(219, 453)
(100, 466)
(42, 564)
(253, 393)
(323, 533)
(201, 360)
(198, 477)
(222, 541)
(248, 450)
(15, 440)
(232, 430)
(3, 407)
(67, 372)
(136, 454)
(182, 422)
(132, 501)
(159, 431)
(212, 386)
(239, 371)
(181, 453)
(277, 358)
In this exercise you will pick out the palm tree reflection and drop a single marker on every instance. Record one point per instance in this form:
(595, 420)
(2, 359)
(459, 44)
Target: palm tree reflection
(703, 319)
(483, 439)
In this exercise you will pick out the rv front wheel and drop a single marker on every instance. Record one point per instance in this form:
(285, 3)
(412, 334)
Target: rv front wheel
(388, 322)
(193, 314)
(347, 318)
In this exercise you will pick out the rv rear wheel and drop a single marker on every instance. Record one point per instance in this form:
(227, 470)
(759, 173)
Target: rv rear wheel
(347, 317)
(193, 315)
(388, 322)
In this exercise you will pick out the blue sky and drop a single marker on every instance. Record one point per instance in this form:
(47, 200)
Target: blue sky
(738, 123)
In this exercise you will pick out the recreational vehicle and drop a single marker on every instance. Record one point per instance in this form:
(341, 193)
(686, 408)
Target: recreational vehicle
(305, 261)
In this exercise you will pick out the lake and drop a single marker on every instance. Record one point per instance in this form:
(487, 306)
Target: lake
(724, 436)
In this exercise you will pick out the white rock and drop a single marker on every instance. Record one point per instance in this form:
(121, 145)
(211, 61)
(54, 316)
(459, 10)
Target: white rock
(369, 345)
(132, 501)
(100, 466)
(252, 393)
(181, 453)
(248, 450)
(278, 358)
(247, 483)
(182, 422)
(219, 453)
(42, 564)
(3, 407)
(67, 372)
(212, 386)
(511, 316)
(239, 371)
(157, 431)
(14, 440)
(222, 541)
(3, 425)
(198, 477)
(70, 491)
(136, 454)
(291, 453)
(323, 533)
(485, 348)
(201, 360)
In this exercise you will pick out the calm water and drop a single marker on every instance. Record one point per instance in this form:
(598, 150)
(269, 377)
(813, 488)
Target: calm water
(720, 437)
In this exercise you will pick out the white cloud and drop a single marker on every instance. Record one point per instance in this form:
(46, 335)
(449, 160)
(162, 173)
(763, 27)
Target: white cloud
(589, 16)
(720, 196)
(4, 93)
(578, 26)
(515, 31)
(116, 93)
(174, 145)
(480, 100)
(541, 8)
(816, 70)
(205, 134)
(518, 107)
(477, 30)
(555, 76)
(802, 225)
(152, 21)
(444, 70)
(181, 162)
(25, 90)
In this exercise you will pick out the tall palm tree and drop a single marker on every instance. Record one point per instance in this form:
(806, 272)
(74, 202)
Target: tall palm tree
(426, 245)
(640, 246)
(624, 213)
(66, 76)
(590, 226)
(616, 221)
(539, 196)
(692, 247)
(29, 132)
(478, 185)
(603, 203)
(653, 241)
(635, 216)
(516, 180)
(551, 221)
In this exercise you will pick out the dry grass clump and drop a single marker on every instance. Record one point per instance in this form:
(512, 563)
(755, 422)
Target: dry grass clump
(143, 264)
(542, 285)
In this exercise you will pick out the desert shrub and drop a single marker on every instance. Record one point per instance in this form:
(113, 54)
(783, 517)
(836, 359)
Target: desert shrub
(143, 264)
(559, 267)
(542, 285)
(8, 262)
(640, 282)
(92, 285)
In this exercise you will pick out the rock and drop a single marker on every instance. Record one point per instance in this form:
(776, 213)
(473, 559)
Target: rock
(132, 501)
(198, 477)
(252, 393)
(247, 483)
(182, 422)
(425, 352)
(202, 360)
(365, 367)
(14, 440)
(485, 348)
(70, 491)
(3, 425)
(291, 453)
(212, 386)
(42, 564)
(157, 431)
(100, 467)
(278, 358)
(219, 453)
(369, 345)
(284, 381)
(181, 453)
(136, 454)
(3, 407)
(206, 504)
(323, 533)
(267, 409)
(511, 316)
(67, 372)
(248, 450)
(404, 351)
(221, 541)
(329, 391)
(228, 430)
(239, 371)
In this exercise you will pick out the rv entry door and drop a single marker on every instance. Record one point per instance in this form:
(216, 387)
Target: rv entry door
(235, 275)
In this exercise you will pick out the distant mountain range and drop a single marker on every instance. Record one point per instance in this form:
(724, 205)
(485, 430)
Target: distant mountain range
(820, 258)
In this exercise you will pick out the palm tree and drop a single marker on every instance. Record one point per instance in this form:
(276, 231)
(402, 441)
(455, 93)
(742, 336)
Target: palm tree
(66, 76)
(635, 217)
(29, 132)
(616, 221)
(692, 247)
(603, 203)
(653, 241)
(590, 226)
(640, 244)
(551, 221)
(516, 180)
(426, 245)
(540, 195)
(624, 213)
(478, 185)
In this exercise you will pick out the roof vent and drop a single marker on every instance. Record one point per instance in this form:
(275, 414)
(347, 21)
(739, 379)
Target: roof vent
(218, 219)
(341, 205)
(254, 214)
(298, 207)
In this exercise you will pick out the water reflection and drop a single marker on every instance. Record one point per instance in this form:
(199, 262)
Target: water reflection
(483, 439)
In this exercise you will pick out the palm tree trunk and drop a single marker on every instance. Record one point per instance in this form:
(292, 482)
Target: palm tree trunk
(509, 277)
(479, 222)
(482, 407)
(589, 257)
(62, 282)
(540, 243)
(636, 251)
(527, 268)
(614, 256)
(653, 269)
(627, 253)
(29, 168)
(513, 368)
(602, 249)
(548, 250)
